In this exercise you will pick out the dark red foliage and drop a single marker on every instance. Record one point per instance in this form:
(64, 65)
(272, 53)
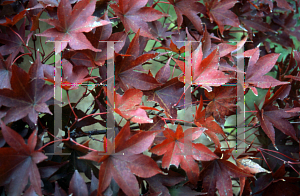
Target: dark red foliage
(156, 97)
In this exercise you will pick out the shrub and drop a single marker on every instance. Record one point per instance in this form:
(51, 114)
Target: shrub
(177, 97)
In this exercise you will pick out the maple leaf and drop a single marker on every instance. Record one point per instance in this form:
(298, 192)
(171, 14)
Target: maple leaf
(38, 70)
(277, 183)
(125, 73)
(173, 47)
(216, 174)
(72, 77)
(175, 150)
(158, 183)
(125, 160)
(280, 3)
(167, 96)
(12, 20)
(189, 8)
(18, 162)
(222, 103)
(77, 185)
(257, 68)
(53, 3)
(159, 30)
(205, 71)
(101, 34)
(134, 15)
(13, 40)
(27, 97)
(126, 106)
(219, 12)
(71, 24)
(212, 127)
(270, 116)
(97, 37)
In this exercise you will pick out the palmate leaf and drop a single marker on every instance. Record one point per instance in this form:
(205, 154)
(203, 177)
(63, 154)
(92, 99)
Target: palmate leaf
(219, 12)
(216, 174)
(258, 68)
(71, 24)
(190, 9)
(125, 160)
(205, 70)
(222, 103)
(270, 115)
(126, 76)
(18, 162)
(134, 15)
(27, 97)
(167, 96)
(175, 151)
(127, 106)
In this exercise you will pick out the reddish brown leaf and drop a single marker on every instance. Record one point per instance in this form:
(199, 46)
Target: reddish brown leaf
(216, 175)
(59, 191)
(212, 127)
(190, 9)
(11, 21)
(257, 68)
(222, 103)
(219, 12)
(71, 24)
(13, 40)
(77, 185)
(167, 96)
(163, 73)
(18, 162)
(125, 73)
(134, 15)
(205, 71)
(125, 160)
(270, 116)
(27, 97)
(98, 38)
(126, 106)
(175, 150)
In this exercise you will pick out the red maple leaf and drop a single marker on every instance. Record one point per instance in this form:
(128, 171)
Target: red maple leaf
(72, 76)
(27, 97)
(205, 71)
(71, 24)
(257, 68)
(13, 40)
(190, 9)
(134, 15)
(216, 174)
(219, 12)
(125, 160)
(175, 150)
(126, 76)
(167, 96)
(77, 185)
(222, 103)
(97, 38)
(12, 20)
(158, 183)
(18, 162)
(269, 116)
(127, 106)
(212, 127)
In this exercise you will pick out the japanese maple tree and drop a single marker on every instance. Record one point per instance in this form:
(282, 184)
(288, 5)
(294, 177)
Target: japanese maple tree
(149, 97)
